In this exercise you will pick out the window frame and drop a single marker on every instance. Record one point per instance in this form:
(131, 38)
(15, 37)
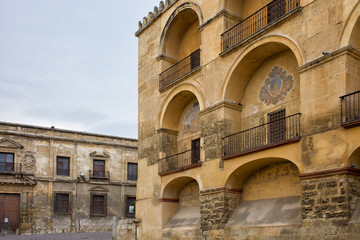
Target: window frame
(127, 205)
(104, 170)
(57, 169)
(130, 174)
(92, 214)
(5, 162)
(69, 203)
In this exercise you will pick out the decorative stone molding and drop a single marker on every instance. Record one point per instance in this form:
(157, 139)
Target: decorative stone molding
(98, 189)
(29, 162)
(8, 143)
(101, 155)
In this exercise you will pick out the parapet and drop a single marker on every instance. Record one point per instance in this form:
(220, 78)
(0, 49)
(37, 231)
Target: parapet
(152, 16)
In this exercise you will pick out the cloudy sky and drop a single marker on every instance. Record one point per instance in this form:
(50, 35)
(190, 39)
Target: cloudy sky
(71, 64)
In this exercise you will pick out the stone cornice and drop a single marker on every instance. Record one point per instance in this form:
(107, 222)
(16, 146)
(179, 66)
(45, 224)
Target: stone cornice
(349, 50)
(218, 190)
(166, 130)
(166, 58)
(115, 183)
(330, 172)
(65, 139)
(223, 12)
(221, 104)
(53, 129)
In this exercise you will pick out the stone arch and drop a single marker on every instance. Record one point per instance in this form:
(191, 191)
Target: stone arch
(172, 188)
(181, 206)
(178, 22)
(270, 194)
(251, 58)
(174, 102)
(354, 159)
(350, 26)
(236, 178)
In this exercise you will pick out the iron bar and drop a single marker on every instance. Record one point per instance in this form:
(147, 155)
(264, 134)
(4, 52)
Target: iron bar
(178, 70)
(271, 133)
(99, 174)
(257, 21)
(350, 107)
(179, 161)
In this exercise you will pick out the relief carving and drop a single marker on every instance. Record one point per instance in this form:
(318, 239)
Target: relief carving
(276, 87)
(29, 162)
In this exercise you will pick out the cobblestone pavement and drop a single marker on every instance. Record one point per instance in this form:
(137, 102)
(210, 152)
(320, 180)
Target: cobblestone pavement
(62, 236)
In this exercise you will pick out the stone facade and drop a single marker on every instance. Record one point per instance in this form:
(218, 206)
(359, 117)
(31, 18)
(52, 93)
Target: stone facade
(272, 150)
(38, 178)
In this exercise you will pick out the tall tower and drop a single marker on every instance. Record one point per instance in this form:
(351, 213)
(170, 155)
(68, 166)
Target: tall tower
(248, 120)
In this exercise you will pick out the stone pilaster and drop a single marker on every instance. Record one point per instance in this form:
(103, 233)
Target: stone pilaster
(168, 141)
(217, 122)
(328, 202)
(216, 207)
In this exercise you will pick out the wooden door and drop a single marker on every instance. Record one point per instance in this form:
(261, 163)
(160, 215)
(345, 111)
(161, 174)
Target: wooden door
(277, 126)
(9, 212)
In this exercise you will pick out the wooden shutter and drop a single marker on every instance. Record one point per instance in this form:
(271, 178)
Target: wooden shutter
(277, 126)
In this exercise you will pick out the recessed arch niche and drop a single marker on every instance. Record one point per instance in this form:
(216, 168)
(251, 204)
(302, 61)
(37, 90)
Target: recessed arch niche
(271, 193)
(181, 35)
(181, 206)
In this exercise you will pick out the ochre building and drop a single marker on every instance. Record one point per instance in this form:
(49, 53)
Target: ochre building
(55, 181)
(248, 120)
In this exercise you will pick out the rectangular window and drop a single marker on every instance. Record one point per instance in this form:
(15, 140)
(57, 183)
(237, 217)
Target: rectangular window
(62, 166)
(195, 151)
(62, 203)
(132, 171)
(99, 168)
(6, 162)
(98, 205)
(130, 206)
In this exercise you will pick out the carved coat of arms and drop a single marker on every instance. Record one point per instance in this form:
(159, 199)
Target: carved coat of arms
(276, 86)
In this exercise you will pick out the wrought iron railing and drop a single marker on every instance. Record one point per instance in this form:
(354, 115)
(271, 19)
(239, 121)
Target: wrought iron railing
(350, 109)
(99, 174)
(181, 68)
(264, 136)
(257, 21)
(179, 161)
(6, 167)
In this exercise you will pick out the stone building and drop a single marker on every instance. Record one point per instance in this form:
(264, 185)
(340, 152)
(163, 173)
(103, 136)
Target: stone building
(54, 180)
(248, 120)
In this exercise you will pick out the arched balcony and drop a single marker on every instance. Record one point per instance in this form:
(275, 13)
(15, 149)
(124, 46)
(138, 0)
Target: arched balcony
(180, 134)
(265, 81)
(180, 45)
